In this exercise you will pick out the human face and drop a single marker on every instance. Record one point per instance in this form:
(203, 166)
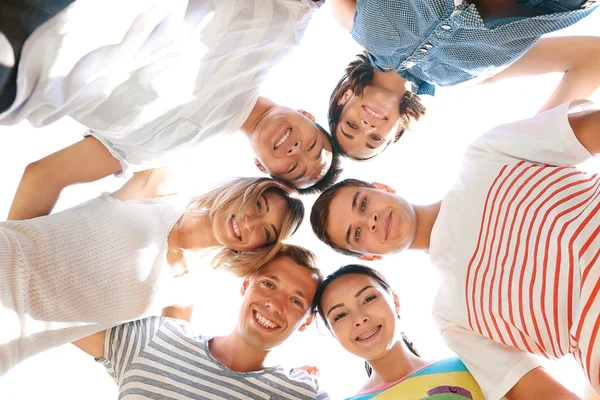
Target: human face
(276, 300)
(371, 221)
(260, 225)
(368, 123)
(361, 315)
(288, 145)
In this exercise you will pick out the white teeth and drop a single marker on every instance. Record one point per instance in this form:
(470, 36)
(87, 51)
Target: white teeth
(283, 139)
(373, 113)
(367, 335)
(264, 322)
(236, 227)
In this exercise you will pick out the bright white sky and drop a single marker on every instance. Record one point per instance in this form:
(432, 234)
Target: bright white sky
(422, 167)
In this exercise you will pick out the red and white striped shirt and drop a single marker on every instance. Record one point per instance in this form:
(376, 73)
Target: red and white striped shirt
(517, 243)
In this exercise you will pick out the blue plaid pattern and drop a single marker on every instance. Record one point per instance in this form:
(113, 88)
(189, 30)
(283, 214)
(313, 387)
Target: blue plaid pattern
(434, 42)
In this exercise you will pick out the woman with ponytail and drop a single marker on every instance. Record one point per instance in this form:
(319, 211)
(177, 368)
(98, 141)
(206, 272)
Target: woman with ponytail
(361, 310)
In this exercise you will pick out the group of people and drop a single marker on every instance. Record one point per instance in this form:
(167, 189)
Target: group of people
(516, 240)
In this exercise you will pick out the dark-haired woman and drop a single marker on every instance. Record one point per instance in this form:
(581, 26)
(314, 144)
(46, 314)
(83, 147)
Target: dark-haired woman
(361, 310)
(412, 46)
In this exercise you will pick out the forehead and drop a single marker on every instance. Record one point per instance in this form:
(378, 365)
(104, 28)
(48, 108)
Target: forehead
(345, 288)
(290, 276)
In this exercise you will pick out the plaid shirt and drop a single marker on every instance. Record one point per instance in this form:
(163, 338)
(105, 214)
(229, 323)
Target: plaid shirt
(435, 42)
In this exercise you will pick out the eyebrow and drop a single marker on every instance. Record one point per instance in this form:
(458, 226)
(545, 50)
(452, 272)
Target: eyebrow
(354, 200)
(345, 134)
(368, 146)
(361, 291)
(320, 151)
(276, 232)
(266, 201)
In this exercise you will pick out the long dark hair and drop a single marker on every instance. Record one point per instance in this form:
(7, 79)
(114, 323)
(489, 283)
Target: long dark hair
(363, 270)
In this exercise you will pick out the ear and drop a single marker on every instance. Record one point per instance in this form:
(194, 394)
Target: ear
(370, 257)
(260, 166)
(345, 97)
(307, 322)
(396, 304)
(384, 187)
(307, 115)
(245, 286)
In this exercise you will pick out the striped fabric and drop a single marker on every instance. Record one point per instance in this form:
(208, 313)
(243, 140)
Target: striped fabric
(432, 42)
(517, 242)
(160, 358)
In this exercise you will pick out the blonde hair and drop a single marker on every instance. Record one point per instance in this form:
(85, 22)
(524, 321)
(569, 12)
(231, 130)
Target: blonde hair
(236, 197)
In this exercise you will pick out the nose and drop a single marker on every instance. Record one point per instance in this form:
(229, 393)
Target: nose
(295, 149)
(373, 221)
(252, 222)
(360, 320)
(367, 126)
(274, 304)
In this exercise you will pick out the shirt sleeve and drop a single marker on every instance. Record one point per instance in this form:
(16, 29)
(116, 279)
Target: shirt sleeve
(495, 367)
(546, 138)
(124, 342)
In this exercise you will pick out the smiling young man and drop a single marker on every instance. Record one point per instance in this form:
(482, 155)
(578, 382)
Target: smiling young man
(161, 357)
(516, 241)
(160, 78)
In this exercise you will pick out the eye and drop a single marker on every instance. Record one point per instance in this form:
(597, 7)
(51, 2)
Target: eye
(351, 125)
(312, 146)
(267, 235)
(357, 234)
(268, 284)
(298, 303)
(339, 316)
(363, 204)
(293, 168)
(369, 299)
(258, 206)
(376, 138)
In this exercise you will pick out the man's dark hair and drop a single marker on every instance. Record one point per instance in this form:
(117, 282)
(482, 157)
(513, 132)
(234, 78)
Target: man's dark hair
(361, 270)
(319, 213)
(334, 169)
(359, 74)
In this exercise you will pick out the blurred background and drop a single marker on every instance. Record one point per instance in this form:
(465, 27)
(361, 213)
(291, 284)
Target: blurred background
(421, 167)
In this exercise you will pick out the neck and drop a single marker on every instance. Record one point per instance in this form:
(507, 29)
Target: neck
(261, 108)
(426, 217)
(389, 81)
(192, 232)
(397, 363)
(227, 350)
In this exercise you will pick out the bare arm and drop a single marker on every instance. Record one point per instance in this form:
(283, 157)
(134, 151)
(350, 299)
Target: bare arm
(43, 180)
(586, 126)
(93, 344)
(343, 12)
(538, 384)
(577, 57)
(183, 313)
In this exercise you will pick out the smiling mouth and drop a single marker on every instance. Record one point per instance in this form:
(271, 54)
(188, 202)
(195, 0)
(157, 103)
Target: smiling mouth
(369, 334)
(388, 225)
(374, 113)
(283, 139)
(264, 322)
(234, 228)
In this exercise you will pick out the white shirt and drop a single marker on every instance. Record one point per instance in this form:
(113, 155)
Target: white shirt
(512, 240)
(151, 76)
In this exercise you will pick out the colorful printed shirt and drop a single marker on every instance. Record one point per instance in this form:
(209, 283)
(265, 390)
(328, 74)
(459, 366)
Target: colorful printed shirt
(443, 380)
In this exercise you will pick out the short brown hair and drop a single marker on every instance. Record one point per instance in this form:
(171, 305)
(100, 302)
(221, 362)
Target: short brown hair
(302, 257)
(320, 213)
(359, 74)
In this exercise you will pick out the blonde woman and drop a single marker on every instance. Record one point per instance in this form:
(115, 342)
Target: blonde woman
(118, 257)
